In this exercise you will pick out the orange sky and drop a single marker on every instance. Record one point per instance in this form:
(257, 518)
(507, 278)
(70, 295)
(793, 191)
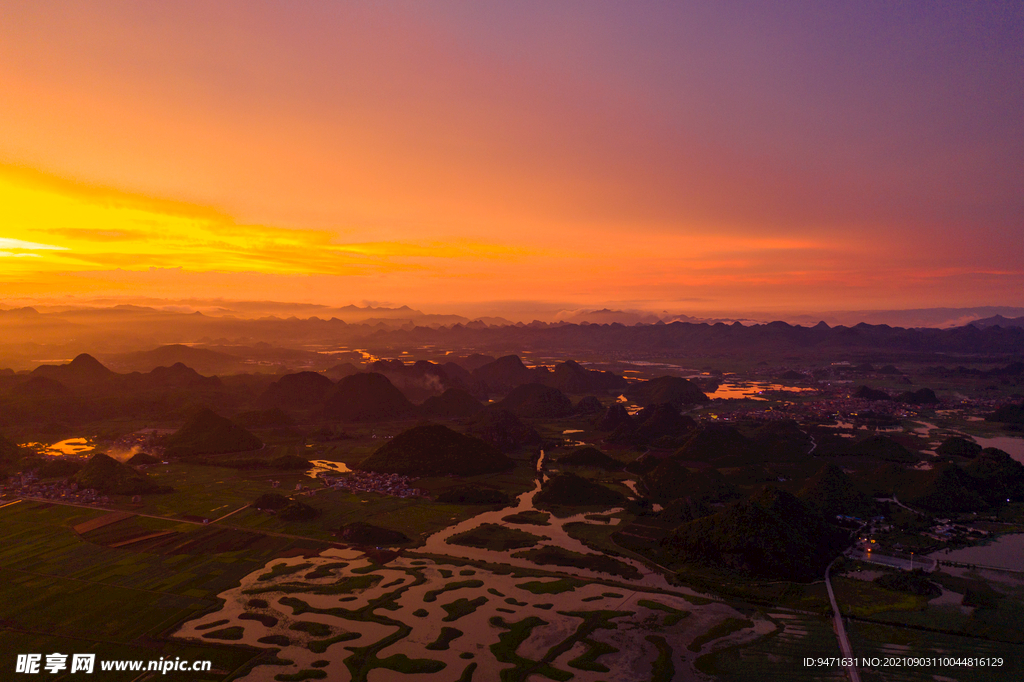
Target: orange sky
(438, 154)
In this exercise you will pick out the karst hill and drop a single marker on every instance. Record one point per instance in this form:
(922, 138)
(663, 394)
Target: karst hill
(831, 491)
(367, 397)
(208, 433)
(106, 475)
(84, 370)
(454, 403)
(667, 389)
(537, 401)
(589, 456)
(502, 429)
(771, 535)
(569, 490)
(436, 450)
(300, 391)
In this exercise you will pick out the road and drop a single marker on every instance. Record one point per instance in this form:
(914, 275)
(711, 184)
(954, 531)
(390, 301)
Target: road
(814, 445)
(177, 520)
(83, 505)
(837, 623)
(898, 503)
(923, 562)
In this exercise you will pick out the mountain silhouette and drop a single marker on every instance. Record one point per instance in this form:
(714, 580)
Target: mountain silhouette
(83, 370)
(667, 389)
(537, 401)
(502, 429)
(454, 403)
(106, 475)
(367, 398)
(569, 490)
(208, 433)
(300, 391)
(571, 377)
(436, 450)
(505, 373)
(772, 535)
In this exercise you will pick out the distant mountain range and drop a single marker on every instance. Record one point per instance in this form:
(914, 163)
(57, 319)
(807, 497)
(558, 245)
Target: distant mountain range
(941, 318)
(139, 338)
(999, 321)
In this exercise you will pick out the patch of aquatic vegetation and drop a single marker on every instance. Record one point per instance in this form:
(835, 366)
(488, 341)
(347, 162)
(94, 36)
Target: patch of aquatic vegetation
(278, 570)
(530, 517)
(462, 607)
(588, 660)
(342, 586)
(662, 670)
(507, 648)
(207, 626)
(232, 633)
(319, 646)
(496, 538)
(444, 639)
(552, 586)
(604, 595)
(325, 570)
(268, 621)
(723, 629)
(311, 627)
(432, 595)
(276, 640)
(674, 615)
(556, 556)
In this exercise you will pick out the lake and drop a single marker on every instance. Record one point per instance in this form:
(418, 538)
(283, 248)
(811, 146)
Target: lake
(69, 446)
(752, 389)
(1008, 444)
(1005, 552)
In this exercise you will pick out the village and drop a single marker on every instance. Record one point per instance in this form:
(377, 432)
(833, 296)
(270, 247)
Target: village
(27, 485)
(394, 485)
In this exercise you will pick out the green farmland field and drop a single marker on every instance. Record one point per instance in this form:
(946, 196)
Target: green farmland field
(62, 593)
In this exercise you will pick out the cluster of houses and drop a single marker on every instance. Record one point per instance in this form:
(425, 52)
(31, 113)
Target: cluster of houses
(28, 485)
(944, 530)
(370, 482)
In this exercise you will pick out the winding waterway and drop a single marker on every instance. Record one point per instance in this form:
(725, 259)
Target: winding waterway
(556, 536)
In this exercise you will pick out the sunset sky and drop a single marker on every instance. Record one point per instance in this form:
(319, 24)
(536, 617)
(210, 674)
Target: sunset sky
(661, 155)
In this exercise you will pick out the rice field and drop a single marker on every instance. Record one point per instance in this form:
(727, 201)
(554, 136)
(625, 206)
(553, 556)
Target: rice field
(60, 592)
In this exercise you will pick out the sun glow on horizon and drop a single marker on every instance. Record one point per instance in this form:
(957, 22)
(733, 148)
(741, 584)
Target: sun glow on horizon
(64, 236)
(66, 226)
